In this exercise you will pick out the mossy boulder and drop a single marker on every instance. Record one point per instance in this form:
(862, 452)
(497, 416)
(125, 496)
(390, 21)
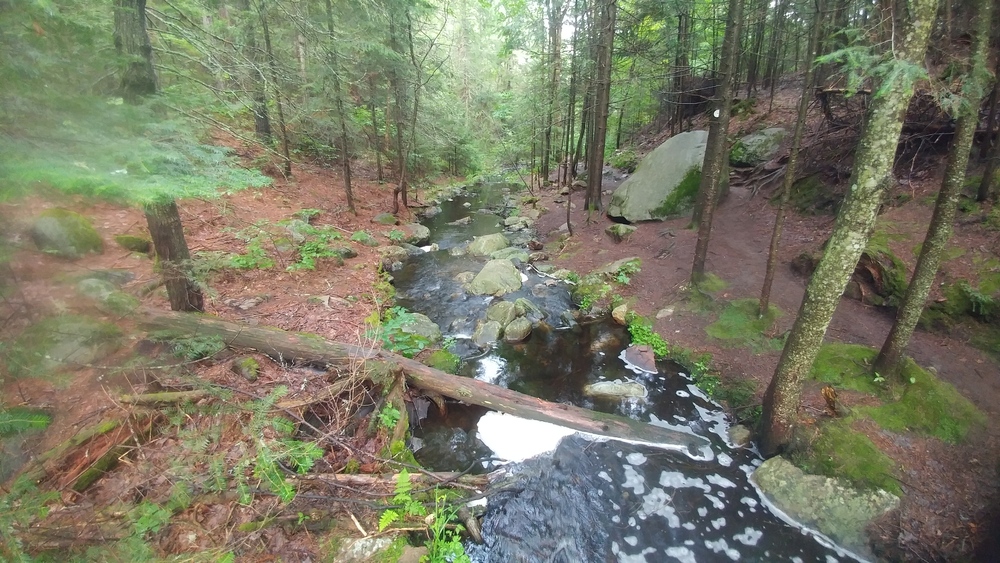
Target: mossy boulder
(487, 333)
(510, 253)
(385, 219)
(498, 277)
(444, 360)
(517, 330)
(829, 505)
(665, 183)
(502, 312)
(247, 367)
(134, 243)
(66, 234)
(422, 326)
(757, 148)
(363, 237)
(619, 232)
(881, 277)
(488, 244)
(61, 343)
(416, 234)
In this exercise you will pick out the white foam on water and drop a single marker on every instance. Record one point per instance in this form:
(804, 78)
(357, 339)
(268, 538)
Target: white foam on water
(725, 460)
(516, 439)
(677, 480)
(749, 536)
(718, 523)
(635, 458)
(658, 502)
(720, 546)
(721, 481)
(682, 554)
(634, 480)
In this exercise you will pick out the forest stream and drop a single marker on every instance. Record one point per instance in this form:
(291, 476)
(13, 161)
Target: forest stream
(585, 498)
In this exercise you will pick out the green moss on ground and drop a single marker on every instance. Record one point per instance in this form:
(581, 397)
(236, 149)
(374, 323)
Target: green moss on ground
(927, 405)
(682, 198)
(444, 361)
(835, 449)
(739, 326)
(847, 366)
(895, 275)
(134, 243)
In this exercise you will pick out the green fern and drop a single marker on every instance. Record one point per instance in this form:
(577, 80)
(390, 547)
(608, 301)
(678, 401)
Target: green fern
(17, 419)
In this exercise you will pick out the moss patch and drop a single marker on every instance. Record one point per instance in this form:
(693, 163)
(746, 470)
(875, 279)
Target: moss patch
(847, 366)
(892, 277)
(682, 198)
(738, 325)
(65, 233)
(812, 196)
(835, 449)
(444, 361)
(927, 405)
(134, 243)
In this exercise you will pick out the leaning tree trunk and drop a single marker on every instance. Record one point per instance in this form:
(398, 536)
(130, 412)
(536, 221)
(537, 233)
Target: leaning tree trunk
(871, 176)
(132, 45)
(172, 252)
(890, 358)
(715, 151)
(793, 161)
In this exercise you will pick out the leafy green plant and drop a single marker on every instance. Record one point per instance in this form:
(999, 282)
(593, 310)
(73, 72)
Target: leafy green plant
(307, 214)
(311, 251)
(389, 416)
(19, 419)
(23, 505)
(197, 347)
(445, 544)
(392, 332)
(405, 505)
(255, 258)
(642, 333)
(396, 235)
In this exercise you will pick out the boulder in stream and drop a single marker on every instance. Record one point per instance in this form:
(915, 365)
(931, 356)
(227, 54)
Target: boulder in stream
(416, 234)
(665, 182)
(488, 244)
(510, 253)
(617, 389)
(498, 277)
(829, 505)
(517, 330)
(502, 312)
(487, 333)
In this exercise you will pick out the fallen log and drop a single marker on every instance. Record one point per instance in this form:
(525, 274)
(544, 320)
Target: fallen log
(309, 348)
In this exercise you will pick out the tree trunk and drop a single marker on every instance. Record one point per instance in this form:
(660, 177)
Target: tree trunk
(272, 65)
(890, 358)
(793, 162)
(297, 347)
(338, 95)
(397, 86)
(602, 92)
(132, 45)
(376, 135)
(714, 165)
(872, 174)
(172, 252)
(255, 77)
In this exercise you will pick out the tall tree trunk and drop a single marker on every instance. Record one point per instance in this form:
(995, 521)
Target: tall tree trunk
(890, 357)
(716, 155)
(397, 85)
(338, 94)
(132, 45)
(872, 175)
(557, 11)
(608, 10)
(994, 104)
(777, 44)
(255, 77)
(756, 43)
(376, 135)
(272, 65)
(793, 162)
(165, 229)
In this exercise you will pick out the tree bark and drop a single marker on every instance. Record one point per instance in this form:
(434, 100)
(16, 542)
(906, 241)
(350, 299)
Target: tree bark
(272, 65)
(132, 45)
(793, 162)
(608, 10)
(889, 361)
(338, 93)
(172, 251)
(291, 347)
(715, 152)
(872, 174)
(255, 77)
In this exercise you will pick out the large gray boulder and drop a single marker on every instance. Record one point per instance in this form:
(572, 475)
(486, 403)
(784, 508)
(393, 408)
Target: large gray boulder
(66, 234)
(488, 244)
(498, 277)
(502, 312)
(826, 504)
(757, 147)
(487, 333)
(416, 234)
(517, 330)
(422, 325)
(665, 183)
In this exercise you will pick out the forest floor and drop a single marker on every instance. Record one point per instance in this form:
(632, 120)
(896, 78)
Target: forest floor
(951, 489)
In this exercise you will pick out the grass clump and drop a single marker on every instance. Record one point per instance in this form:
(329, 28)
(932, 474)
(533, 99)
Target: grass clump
(928, 406)
(847, 366)
(738, 325)
(835, 449)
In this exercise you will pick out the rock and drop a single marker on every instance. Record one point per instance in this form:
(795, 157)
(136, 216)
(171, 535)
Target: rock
(247, 367)
(392, 254)
(428, 212)
(537, 257)
(532, 214)
(346, 251)
(611, 268)
(619, 232)
(362, 237)
(134, 243)
(517, 330)
(562, 274)
(465, 277)
(826, 504)
(804, 264)
(487, 244)
(502, 312)
(757, 148)
(487, 333)
(61, 342)
(66, 234)
(416, 234)
(410, 249)
(640, 358)
(579, 185)
(665, 182)
(298, 229)
(385, 219)
(498, 277)
(413, 554)
(739, 435)
(665, 312)
(116, 276)
(461, 222)
(422, 325)
(510, 253)
(525, 308)
(564, 190)
(620, 314)
(616, 389)
(362, 550)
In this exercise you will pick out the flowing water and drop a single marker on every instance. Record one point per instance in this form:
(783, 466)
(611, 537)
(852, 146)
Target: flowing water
(585, 498)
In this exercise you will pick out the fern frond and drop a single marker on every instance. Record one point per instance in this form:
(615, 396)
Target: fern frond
(17, 419)
(387, 518)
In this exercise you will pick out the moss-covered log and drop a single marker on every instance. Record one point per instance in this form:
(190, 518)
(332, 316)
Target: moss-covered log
(302, 347)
